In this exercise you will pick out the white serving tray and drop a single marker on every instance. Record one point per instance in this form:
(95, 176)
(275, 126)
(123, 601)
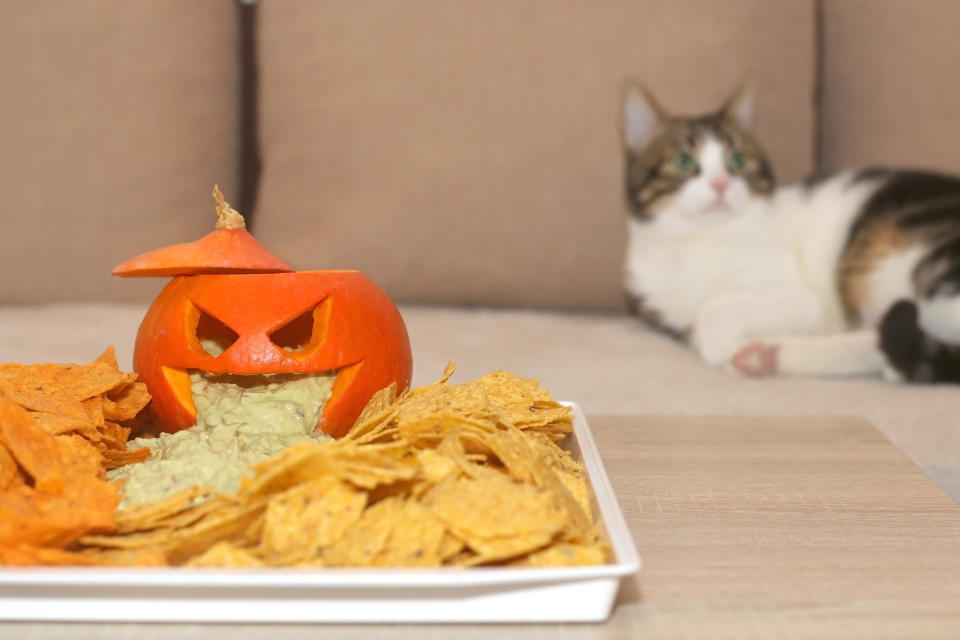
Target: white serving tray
(560, 594)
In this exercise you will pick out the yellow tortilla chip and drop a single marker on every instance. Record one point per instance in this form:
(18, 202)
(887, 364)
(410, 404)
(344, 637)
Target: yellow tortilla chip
(363, 542)
(416, 539)
(225, 554)
(155, 513)
(127, 557)
(565, 554)
(496, 516)
(228, 524)
(305, 518)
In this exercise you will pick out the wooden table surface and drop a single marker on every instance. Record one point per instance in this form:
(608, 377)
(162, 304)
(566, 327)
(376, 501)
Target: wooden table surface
(748, 527)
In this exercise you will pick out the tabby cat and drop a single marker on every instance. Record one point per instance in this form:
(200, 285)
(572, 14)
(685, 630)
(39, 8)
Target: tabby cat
(855, 273)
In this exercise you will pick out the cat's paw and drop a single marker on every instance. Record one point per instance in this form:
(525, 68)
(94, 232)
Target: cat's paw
(715, 353)
(756, 359)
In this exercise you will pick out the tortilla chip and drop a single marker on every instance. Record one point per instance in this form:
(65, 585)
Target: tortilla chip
(125, 402)
(303, 519)
(36, 451)
(93, 407)
(416, 540)
(225, 554)
(564, 555)
(26, 555)
(126, 557)
(364, 541)
(228, 524)
(59, 388)
(9, 469)
(155, 513)
(109, 358)
(111, 435)
(56, 519)
(496, 516)
(113, 458)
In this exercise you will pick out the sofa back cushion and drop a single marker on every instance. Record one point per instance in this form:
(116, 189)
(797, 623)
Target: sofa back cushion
(118, 118)
(890, 95)
(469, 152)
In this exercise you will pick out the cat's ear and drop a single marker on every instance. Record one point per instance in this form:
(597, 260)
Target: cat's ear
(641, 115)
(739, 106)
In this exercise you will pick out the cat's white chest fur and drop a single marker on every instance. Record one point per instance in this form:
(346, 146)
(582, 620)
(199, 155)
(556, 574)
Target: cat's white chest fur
(676, 274)
(790, 241)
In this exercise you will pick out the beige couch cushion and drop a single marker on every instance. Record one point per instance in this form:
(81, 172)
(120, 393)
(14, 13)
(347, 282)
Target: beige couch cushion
(890, 94)
(118, 118)
(469, 151)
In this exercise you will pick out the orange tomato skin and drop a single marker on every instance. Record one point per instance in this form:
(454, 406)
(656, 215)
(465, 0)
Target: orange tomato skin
(358, 332)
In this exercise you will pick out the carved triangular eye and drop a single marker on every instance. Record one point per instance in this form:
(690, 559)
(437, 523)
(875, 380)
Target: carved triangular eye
(213, 336)
(296, 334)
(304, 334)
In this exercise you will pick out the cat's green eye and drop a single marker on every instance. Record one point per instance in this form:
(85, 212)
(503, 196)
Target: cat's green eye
(685, 162)
(737, 162)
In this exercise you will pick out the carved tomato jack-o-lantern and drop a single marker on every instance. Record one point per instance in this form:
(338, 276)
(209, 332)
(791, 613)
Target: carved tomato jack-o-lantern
(233, 307)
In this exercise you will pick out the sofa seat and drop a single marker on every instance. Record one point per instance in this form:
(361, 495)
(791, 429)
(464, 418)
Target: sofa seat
(607, 362)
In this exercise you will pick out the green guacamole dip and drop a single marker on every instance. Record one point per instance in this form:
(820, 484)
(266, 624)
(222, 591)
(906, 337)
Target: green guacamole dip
(241, 420)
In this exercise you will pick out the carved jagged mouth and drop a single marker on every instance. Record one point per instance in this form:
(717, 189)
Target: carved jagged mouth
(284, 402)
(287, 402)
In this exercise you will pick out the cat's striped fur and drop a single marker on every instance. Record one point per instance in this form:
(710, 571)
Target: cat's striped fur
(852, 273)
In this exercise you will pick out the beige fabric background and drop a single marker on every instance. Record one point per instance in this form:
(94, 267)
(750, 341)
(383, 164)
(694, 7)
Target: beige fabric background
(469, 152)
(118, 117)
(459, 152)
(891, 84)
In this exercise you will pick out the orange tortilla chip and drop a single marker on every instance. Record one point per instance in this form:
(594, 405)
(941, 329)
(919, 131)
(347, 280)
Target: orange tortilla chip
(9, 470)
(36, 400)
(26, 555)
(83, 458)
(67, 498)
(56, 519)
(111, 435)
(59, 430)
(93, 407)
(109, 358)
(126, 402)
(113, 458)
(58, 388)
(36, 451)
(57, 423)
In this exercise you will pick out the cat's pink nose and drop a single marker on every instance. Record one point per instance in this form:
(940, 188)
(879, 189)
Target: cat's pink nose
(720, 185)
